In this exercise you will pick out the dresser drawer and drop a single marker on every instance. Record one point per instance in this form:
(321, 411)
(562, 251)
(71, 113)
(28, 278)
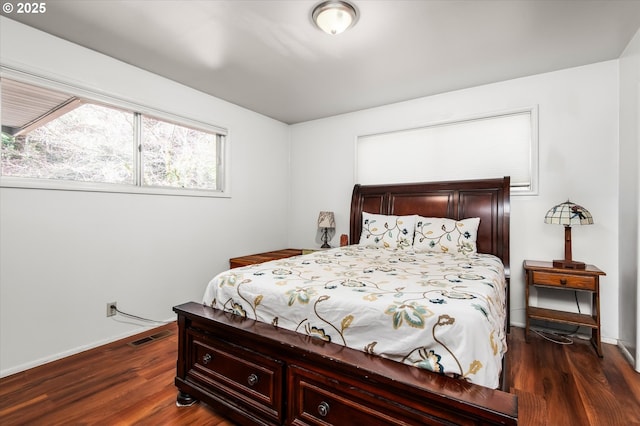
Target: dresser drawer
(317, 402)
(564, 280)
(319, 399)
(252, 379)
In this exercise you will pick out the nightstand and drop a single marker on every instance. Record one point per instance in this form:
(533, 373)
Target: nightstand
(544, 274)
(252, 259)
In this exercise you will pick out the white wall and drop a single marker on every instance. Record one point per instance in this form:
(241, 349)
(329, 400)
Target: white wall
(578, 130)
(629, 299)
(64, 255)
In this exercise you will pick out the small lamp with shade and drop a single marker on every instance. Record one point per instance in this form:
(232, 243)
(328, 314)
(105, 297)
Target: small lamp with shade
(568, 214)
(326, 221)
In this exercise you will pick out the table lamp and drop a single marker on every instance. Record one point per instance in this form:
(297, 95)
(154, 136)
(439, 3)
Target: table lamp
(326, 221)
(568, 214)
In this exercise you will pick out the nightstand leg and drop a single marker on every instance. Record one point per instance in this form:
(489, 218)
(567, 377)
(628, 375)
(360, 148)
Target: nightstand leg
(526, 313)
(596, 335)
(596, 342)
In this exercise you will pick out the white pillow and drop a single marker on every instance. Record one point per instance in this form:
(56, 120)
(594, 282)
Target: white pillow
(442, 235)
(395, 232)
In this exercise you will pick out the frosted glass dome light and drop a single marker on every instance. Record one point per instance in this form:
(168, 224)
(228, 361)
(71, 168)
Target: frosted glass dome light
(334, 17)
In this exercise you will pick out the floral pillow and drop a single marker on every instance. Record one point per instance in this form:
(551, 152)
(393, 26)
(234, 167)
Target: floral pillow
(443, 235)
(386, 231)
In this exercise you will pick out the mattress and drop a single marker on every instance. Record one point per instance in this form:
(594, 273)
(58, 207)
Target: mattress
(438, 311)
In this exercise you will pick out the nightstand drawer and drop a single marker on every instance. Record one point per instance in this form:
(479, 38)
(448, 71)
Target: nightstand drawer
(563, 280)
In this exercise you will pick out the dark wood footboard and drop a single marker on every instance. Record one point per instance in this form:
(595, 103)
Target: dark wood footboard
(255, 373)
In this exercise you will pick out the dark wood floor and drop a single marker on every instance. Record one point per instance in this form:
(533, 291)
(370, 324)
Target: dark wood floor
(121, 384)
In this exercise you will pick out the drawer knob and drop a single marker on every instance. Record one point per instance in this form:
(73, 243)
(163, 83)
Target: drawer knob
(323, 409)
(206, 359)
(252, 379)
(563, 281)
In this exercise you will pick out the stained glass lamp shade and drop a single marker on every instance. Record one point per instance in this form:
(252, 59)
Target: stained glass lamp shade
(568, 214)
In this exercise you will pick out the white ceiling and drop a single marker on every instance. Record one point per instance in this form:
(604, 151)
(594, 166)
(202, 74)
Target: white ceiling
(267, 56)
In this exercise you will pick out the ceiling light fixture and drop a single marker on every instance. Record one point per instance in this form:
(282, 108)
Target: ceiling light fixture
(334, 16)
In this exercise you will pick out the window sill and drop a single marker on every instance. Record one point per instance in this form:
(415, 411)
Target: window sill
(59, 185)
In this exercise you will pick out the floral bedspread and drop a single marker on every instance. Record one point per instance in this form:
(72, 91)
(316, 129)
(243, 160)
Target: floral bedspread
(438, 311)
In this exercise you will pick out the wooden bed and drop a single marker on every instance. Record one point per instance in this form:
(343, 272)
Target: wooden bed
(255, 373)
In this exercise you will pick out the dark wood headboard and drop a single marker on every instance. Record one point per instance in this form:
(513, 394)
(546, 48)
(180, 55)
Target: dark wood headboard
(487, 199)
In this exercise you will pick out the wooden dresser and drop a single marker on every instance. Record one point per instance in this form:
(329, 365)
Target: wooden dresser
(252, 259)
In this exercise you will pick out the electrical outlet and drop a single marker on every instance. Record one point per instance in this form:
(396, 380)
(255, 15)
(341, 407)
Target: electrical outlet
(112, 309)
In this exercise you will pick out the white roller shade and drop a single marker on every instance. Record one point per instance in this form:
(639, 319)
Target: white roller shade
(488, 147)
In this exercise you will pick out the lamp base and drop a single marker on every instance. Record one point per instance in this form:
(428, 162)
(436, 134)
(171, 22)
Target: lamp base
(325, 238)
(568, 264)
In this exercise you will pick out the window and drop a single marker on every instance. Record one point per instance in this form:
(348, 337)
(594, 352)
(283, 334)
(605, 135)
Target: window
(485, 147)
(90, 143)
(177, 156)
(62, 140)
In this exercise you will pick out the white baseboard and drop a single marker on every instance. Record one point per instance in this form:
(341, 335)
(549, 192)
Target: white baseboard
(629, 356)
(38, 362)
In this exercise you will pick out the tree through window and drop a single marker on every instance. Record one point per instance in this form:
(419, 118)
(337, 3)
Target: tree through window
(48, 134)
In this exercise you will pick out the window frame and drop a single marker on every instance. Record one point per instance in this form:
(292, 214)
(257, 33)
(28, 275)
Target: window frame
(533, 161)
(138, 110)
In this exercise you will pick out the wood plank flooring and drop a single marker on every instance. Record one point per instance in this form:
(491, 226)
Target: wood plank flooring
(118, 384)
